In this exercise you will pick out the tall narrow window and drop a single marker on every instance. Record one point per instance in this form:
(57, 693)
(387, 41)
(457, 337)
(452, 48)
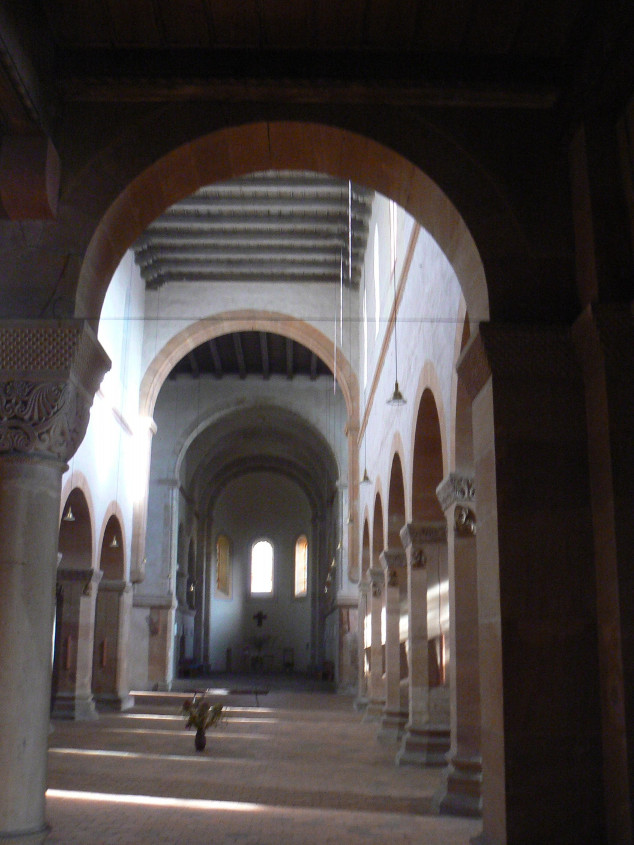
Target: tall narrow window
(223, 566)
(262, 567)
(365, 337)
(377, 282)
(301, 566)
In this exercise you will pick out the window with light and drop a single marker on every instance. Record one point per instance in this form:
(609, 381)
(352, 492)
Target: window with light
(262, 567)
(301, 566)
(223, 566)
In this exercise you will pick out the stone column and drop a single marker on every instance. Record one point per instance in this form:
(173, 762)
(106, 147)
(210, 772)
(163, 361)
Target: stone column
(537, 608)
(424, 743)
(124, 700)
(604, 337)
(362, 699)
(50, 372)
(393, 718)
(376, 690)
(460, 793)
(78, 702)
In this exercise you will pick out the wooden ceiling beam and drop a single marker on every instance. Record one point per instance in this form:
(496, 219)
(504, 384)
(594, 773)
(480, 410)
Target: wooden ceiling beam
(264, 349)
(215, 358)
(237, 345)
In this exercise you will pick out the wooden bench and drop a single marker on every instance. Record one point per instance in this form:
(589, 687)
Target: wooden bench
(256, 691)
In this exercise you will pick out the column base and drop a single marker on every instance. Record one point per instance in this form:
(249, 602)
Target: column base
(117, 703)
(424, 747)
(392, 725)
(373, 710)
(30, 837)
(461, 791)
(361, 703)
(70, 706)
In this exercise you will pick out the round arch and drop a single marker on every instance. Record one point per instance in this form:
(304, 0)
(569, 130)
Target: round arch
(396, 514)
(247, 320)
(230, 152)
(428, 461)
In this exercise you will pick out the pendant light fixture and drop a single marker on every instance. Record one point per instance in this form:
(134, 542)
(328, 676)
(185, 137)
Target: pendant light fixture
(365, 478)
(397, 398)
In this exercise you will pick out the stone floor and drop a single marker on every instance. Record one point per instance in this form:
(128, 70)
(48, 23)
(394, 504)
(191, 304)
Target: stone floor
(300, 768)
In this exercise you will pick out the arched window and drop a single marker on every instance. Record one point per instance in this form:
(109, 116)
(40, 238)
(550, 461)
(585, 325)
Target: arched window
(262, 567)
(223, 566)
(301, 566)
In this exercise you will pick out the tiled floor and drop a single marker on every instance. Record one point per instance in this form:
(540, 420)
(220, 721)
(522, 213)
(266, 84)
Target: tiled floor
(300, 768)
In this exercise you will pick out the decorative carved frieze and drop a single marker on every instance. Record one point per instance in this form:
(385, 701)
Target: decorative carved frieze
(377, 579)
(418, 558)
(455, 489)
(464, 521)
(392, 559)
(50, 373)
(419, 534)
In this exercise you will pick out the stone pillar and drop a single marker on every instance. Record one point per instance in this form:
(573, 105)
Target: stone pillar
(50, 372)
(460, 793)
(424, 743)
(376, 689)
(362, 698)
(75, 700)
(604, 336)
(393, 718)
(537, 611)
(110, 672)
(140, 507)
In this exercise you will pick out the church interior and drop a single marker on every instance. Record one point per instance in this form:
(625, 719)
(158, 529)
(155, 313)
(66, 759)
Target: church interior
(307, 312)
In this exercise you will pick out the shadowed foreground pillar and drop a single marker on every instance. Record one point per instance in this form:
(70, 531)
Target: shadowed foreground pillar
(539, 675)
(50, 372)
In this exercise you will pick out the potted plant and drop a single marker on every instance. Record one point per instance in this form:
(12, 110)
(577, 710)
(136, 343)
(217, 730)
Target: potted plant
(201, 714)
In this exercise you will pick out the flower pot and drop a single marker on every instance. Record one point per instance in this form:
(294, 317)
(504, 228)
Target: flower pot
(200, 740)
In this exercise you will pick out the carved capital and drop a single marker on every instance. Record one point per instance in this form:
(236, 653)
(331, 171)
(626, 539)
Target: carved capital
(50, 373)
(419, 534)
(464, 521)
(392, 559)
(455, 489)
(377, 579)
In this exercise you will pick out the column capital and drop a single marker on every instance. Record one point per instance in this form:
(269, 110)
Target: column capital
(455, 489)
(419, 534)
(392, 560)
(51, 371)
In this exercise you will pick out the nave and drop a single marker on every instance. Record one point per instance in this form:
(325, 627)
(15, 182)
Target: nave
(302, 767)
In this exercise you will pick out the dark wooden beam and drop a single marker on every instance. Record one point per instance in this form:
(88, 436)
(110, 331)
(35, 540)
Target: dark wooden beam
(311, 76)
(264, 349)
(215, 358)
(237, 345)
(193, 363)
(289, 358)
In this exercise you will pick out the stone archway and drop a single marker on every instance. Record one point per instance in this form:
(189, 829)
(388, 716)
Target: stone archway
(114, 596)
(75, 606)
(393, 563)
(290, 145)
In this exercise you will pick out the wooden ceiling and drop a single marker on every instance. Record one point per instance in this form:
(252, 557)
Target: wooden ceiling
(266, 227)
(512, 53)
(478, 27)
